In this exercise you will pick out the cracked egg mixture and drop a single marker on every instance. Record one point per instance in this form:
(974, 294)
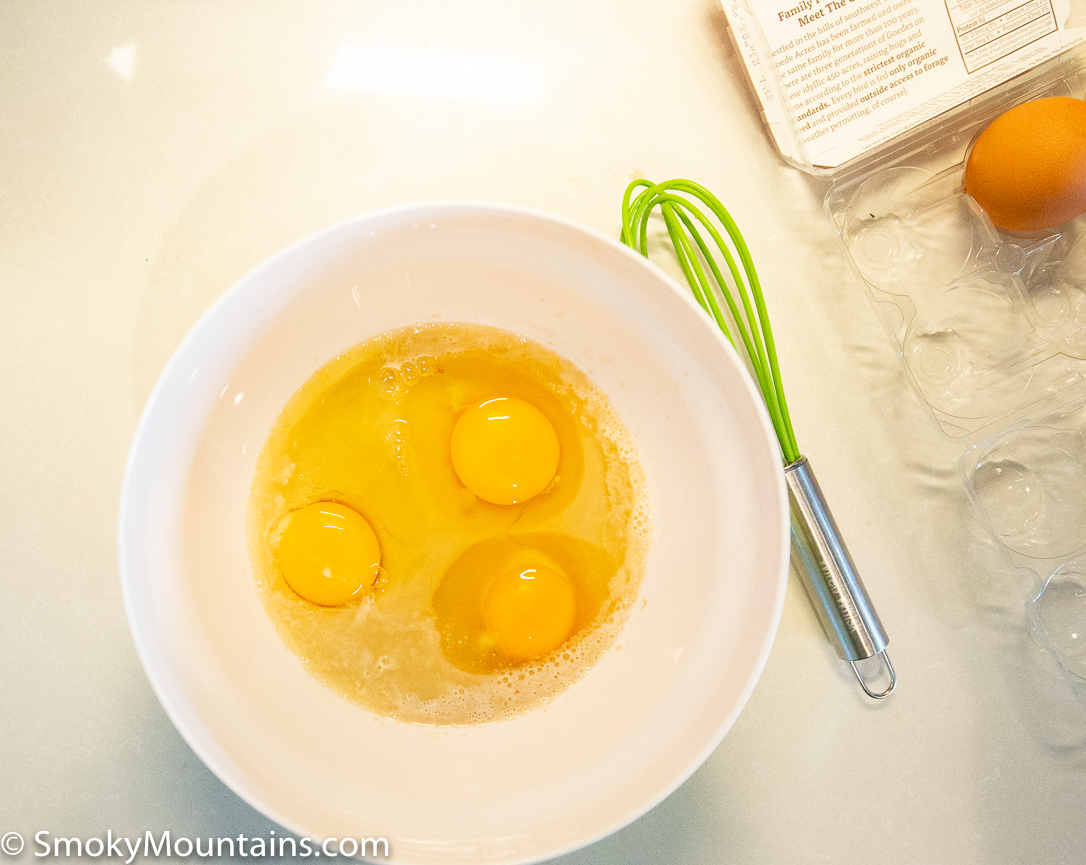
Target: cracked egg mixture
(448, 524)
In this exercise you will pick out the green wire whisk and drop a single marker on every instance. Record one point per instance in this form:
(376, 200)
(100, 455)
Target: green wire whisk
(697, 224)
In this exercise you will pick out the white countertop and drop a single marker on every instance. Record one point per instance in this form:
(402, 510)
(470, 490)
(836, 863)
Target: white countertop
(152, 153)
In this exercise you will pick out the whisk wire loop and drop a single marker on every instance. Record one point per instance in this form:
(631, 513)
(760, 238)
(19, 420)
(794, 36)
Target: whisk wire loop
(752, 344)
(674, 209)
(682, 218)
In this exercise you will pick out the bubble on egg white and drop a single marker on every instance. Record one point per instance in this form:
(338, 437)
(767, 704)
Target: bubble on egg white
(398, 446)
(391, 380)
(386, 382)
(427, 365)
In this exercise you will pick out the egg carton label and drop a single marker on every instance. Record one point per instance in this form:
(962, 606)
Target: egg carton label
(837, 78)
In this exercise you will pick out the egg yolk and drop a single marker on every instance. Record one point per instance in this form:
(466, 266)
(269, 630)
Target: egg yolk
(529, 612)
(505, 450)
(328, 553)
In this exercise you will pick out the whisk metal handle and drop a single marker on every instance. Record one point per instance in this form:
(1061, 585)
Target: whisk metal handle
(830, 576)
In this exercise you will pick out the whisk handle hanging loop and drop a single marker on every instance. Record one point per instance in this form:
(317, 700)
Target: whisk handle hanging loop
(820, 556)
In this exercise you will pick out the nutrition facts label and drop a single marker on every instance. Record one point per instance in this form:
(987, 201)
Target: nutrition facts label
(989, 30)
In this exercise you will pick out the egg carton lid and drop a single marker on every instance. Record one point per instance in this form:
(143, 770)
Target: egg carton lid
(848, 86)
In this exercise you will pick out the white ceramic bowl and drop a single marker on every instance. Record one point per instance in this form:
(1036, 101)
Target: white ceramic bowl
(601, 754)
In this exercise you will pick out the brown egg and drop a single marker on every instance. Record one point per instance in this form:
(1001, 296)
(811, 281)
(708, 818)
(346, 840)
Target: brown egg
(1027, 169)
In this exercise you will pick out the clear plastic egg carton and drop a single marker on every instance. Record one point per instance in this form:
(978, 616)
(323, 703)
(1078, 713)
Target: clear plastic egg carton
(991, 328)
(990, 325)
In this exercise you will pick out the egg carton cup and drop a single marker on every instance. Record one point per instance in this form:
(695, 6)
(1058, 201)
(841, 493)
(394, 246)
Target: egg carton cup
(1028, 485)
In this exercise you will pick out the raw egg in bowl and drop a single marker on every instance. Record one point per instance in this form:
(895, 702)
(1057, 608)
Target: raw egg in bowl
(526, 439)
